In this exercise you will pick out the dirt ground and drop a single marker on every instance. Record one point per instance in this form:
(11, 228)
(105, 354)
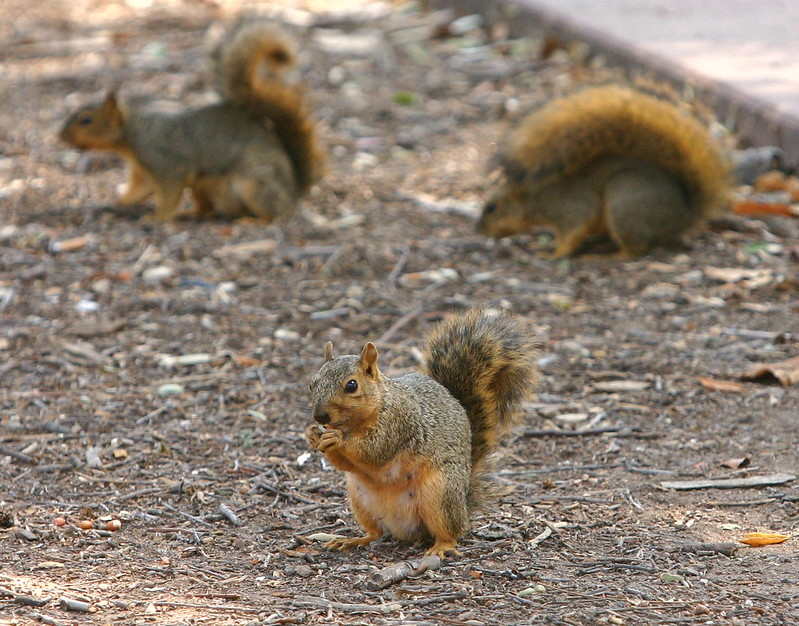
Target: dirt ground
(101, 420)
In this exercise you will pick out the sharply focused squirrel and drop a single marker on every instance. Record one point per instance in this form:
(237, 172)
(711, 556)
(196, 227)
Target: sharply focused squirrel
(414, 448)
(254, 153)
(608, 161)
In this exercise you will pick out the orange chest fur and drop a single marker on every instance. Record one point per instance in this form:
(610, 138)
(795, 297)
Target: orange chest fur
(392, 494)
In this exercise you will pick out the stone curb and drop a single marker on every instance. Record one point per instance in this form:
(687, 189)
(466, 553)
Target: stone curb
(755, 122)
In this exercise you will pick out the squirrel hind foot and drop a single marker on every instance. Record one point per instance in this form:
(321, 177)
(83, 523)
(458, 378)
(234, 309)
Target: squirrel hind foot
(344, 543)
(441, 548)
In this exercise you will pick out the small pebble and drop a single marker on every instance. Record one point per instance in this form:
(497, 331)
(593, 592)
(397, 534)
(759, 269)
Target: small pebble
(170, 389)
(284, 334)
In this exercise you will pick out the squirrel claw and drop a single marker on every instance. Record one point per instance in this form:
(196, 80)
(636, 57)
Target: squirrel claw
(312, 435)
(330, 439)
(441, 549)
(343, 544)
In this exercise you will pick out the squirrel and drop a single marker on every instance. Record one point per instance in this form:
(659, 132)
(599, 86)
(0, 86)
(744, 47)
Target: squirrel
(253, 153)
(608, 161)
(415, 448)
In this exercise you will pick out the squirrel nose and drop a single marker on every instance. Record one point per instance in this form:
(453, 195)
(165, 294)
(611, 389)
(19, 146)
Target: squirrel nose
(320, 415)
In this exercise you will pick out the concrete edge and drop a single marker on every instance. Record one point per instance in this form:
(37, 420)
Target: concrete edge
(755, 122)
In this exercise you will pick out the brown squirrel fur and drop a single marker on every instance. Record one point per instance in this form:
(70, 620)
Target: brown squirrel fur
(254, 153)
(609, 161)
(414, 447)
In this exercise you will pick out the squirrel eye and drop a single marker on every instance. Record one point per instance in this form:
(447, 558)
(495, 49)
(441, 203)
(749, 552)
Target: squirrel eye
(489, 208)
(85, 121)
(351, 386)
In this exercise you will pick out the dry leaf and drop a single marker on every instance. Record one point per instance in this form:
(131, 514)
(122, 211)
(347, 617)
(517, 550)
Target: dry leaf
(243, 360)
(763, 539)
(721, 385)
(70, 245)
(787, 372)
(752, 207)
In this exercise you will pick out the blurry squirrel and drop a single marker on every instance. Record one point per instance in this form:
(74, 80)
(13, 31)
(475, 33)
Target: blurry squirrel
(608, 161)
(414, 448)
(253, 153)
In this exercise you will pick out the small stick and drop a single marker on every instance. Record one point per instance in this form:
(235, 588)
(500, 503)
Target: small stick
(728, 548)
(729, 483)
(45, 619)
(544, 535)
(225, 510)
(323, 603)
(386, 576)
(74, 605)
(285, 494)
(742, 502)
(151, 415)
(402, 321)
(395, 272)
(193, 518)
(19, 456)
(22, 599)
(212, 607)
(588, 432)
(135, 494)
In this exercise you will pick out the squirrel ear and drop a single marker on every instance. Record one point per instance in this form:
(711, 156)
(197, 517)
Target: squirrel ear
(329, 351)
(368, 360)
(111, 99)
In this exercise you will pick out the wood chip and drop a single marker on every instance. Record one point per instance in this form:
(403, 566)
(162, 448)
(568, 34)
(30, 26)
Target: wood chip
(386, 576)
(715, 384)
(249, 248)
(787, 372)
(620, 385)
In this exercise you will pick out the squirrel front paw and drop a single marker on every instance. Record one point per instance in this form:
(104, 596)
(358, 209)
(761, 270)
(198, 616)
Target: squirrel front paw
(312, 435)
(330, 439)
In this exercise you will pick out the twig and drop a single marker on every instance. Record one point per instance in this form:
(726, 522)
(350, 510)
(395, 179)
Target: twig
(589, 432)
(193, 518)
(45, 619)
(554, 498)
(324, 603)
(386, 576)
(728, 548)
(19, 456)
(285, 494)
(402, 321)
(540, 538)
(68, 604)
(442, 597)
(400, 264)
(225, 510)
(742, 502)
(212, 607)
(729, 483)
(151, 415)
(136, 494)
(56, 467)
(22, 599)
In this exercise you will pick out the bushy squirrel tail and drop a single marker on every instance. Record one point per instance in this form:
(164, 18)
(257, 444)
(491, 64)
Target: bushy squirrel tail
(254, 66)
(488, 363)
(569, 133)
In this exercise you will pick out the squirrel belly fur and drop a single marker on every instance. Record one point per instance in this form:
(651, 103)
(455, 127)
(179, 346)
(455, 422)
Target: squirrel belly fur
(608, 161)
(414, 448)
